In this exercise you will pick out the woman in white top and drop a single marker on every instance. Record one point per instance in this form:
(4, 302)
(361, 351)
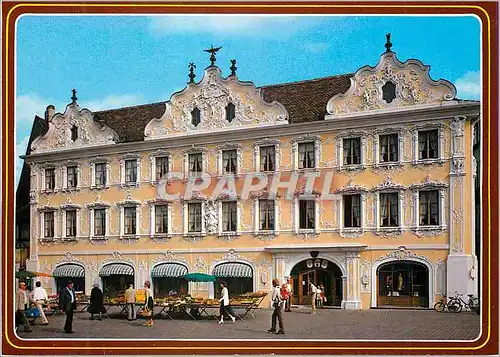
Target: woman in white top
(224, 304)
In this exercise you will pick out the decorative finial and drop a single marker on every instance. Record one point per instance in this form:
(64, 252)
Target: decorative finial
(212, 52)
(233, 67)
(191, 75)
(388, 44)
(74, 97)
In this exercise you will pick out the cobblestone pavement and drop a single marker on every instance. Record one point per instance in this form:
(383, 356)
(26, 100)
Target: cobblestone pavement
(299, 324)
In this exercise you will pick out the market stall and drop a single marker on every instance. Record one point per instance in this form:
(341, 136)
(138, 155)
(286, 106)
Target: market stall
(66, 272)
(168, 279)
(238, 276)
(116, 278)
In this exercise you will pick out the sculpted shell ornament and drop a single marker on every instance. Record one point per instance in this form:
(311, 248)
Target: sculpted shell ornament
(58, 136)
(211, 96)
(411, 79)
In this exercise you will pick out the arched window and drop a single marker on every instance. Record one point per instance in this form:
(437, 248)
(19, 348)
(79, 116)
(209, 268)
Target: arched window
(230, 112)
(195, 117)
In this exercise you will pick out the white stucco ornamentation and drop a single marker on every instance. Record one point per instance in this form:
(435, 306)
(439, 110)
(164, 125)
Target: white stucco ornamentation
(402, 253)
(211, 96)
(411, 81)
(70, 258)
(59, 134)
(211, 217)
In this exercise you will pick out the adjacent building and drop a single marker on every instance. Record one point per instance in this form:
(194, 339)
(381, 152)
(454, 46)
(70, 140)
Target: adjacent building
(398, 228)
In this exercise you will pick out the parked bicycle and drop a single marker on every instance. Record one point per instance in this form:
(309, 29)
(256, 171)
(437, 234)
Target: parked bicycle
(451, 305)
(458, 303)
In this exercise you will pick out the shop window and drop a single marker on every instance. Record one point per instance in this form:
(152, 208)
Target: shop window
(100, 174)
(389, 148)
(161, 219)
(195, 164)
(99, 222)
(130, 220)
(352, 211)
(352, 151)
(229, 158)
(71, 177)
(306, 156)
(306, 214)
(50, 178)
(429, 208)
(161, 167)
(230, 112)
(389, 208)
(267, 158)
(71, 223)
(195, 116)
(170, 286)
(229, 219)
(266, 215)
(48, 224)
(428, 144)
(194, 212)
(131, 171)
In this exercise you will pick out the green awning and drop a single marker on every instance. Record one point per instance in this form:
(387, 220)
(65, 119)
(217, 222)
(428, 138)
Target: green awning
(25, 274)
(69, 271)
(116, 269)
(169, 270)
(233, 270)
(199, 277)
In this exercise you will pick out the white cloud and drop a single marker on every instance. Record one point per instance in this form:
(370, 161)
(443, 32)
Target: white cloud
(29, 105)
(245, 25)
(112, 102)
(469, 86)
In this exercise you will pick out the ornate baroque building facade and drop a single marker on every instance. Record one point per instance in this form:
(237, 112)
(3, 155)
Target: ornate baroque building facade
(399, 231)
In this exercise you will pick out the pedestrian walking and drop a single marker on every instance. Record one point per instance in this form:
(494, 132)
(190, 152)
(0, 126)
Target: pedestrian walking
(313, 290)
(96, 303)
(319, 296)
(225, 309)
(130, 301)
(22, 301)
(278, 306)
(67, 304)
(148, 304)
(40, 297)
(288, 306)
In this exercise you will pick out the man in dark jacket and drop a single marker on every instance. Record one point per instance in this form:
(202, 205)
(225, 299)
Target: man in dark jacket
(67, 304)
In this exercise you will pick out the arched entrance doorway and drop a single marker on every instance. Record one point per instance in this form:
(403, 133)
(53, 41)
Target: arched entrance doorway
(320, 272)
(403, 284)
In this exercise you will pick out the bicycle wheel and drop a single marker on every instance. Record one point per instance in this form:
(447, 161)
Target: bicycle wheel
(439, 306)
(455, 306)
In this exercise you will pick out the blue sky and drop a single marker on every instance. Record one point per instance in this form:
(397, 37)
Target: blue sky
(116, 61)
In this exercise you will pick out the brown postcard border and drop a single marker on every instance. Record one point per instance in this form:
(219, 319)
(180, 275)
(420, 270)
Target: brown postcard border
(487, 343)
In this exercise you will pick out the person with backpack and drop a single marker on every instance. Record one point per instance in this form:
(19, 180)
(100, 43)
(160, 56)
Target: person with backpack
(277, 301)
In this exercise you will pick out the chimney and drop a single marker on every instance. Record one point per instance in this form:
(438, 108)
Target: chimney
(49, 113)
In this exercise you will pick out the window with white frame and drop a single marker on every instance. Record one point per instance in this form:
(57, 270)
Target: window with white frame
(100, 174)
(48, 224)
(352, 211)
(307, 155)
(71, 176)
(428, 144)
(267, 158)
(50, 179)
(429, 208)
(195, 162)
(161, 219)
(351, 151)
(194, 217)
(99, 221)
(307, 214)
(161, 167)
(266, 215)
(70, 223)
(229, 216)
(131, 171)
(389, 148)
(229, 161)
(389, 209)
(130, 222)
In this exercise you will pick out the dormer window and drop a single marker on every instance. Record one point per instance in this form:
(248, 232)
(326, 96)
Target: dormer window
(74, 133)
(230, 112)
(195, 117)
(388, 92)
